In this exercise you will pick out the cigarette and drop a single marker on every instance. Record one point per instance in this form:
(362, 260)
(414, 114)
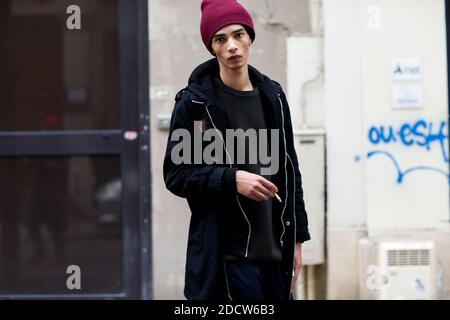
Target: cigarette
(278, 198)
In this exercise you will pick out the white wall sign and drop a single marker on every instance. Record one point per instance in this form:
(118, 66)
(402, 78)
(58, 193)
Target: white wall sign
(410, 96)
(407, 69)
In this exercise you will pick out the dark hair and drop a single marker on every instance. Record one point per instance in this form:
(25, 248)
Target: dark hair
(250, 32)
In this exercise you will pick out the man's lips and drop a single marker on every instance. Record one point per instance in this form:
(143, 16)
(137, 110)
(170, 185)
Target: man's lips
(234, 57)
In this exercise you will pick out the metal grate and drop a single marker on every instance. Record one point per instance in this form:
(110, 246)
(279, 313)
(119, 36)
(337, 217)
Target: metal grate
(409, 257)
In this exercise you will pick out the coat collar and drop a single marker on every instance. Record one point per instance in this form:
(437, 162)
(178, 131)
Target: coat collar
(201, 83)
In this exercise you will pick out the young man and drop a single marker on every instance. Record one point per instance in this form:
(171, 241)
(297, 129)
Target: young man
(246, 227)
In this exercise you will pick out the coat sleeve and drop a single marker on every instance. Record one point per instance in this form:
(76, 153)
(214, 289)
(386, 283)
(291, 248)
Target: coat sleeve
(188, 179)
(302, 232)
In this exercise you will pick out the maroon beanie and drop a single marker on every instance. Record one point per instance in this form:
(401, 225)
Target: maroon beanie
(219, 13)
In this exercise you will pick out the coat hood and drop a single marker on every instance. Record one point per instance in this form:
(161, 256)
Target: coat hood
(201, 81)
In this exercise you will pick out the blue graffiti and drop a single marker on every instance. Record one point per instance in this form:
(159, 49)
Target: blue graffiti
(419, 134)
(401, 174)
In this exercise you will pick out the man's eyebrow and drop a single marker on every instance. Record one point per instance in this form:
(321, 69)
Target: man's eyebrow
(219, 35)
(233, 32)
(238, 30)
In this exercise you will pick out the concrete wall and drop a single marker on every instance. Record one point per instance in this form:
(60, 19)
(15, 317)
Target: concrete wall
(175, 50)
(420, 200)
(345, 138)
(368, 196)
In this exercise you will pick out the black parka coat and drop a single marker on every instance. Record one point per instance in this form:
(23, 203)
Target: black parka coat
(211, 191)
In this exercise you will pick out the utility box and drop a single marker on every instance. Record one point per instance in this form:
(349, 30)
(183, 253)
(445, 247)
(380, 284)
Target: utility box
(409, 270)
(310, 148)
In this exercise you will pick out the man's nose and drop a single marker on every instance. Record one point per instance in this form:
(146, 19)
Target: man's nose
(232, 46)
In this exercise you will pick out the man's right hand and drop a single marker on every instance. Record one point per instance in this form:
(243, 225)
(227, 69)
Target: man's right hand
(254, 186)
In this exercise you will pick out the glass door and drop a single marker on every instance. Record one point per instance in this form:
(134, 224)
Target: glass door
(74, 149)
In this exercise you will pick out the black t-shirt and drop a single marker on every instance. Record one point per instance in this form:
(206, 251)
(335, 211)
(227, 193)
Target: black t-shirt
(244, 111)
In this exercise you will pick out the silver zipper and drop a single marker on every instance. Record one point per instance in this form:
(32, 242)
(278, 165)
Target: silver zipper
(293, 199)
(293, 210)
(231, 165)
(285, 172)
(226, 281)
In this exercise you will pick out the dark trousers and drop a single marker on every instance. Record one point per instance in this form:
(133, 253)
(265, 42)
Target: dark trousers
(254, 281)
